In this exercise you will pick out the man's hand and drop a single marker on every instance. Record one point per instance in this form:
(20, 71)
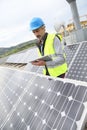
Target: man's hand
(39, 63)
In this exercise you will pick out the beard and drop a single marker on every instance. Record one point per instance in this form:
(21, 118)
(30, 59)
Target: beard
(39, 36)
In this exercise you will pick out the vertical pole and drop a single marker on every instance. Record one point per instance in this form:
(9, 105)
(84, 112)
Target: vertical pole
(75, 14)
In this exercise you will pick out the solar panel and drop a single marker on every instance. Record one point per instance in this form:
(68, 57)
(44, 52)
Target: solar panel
(42, 103)
(5, 75)
(70, 51)
(78, 67)
(32, 68)
(12, 84)
(23, 57)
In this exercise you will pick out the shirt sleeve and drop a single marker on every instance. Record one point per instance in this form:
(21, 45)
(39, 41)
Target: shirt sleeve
(58, 57)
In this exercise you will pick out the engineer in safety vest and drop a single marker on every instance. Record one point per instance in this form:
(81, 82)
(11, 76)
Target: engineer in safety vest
(57, 27)
(49, 44)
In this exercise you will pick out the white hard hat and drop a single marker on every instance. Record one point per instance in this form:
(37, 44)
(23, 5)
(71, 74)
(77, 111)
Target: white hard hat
(57, 26)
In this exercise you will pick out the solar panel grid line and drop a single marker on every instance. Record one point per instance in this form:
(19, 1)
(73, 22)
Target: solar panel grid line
(35, 114)
(65, 120)
(1, 89)
(6, 78)
(78, 69)
(10, 80)
(13, 92)
(54, 106)
(22, 120)
(5, 72)
(70, 50)
(14, 106)
(77, 84)
(76, 115)
(74, 56)
(33, 119)
(64, 112)
(50, 108)
(39, 96)
(6, 98)
(2, 93)
(47, 115)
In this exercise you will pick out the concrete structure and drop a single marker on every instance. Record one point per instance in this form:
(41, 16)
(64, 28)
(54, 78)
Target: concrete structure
(79, 31)
(75, 14)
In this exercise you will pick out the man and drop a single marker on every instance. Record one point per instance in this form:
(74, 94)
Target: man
(49, 44)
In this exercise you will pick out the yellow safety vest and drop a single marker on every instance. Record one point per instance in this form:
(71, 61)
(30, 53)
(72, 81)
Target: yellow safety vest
(48, 49)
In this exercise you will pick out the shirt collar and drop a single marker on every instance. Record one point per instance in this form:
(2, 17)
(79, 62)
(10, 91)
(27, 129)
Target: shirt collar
(44, 37)
(42, 40)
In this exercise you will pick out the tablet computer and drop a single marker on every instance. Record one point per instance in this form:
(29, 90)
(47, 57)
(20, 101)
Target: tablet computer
(45, 58)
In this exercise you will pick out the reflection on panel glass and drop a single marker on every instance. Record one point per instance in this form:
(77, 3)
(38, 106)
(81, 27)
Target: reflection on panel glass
(23, 57)
(45, 104)
(12, 85)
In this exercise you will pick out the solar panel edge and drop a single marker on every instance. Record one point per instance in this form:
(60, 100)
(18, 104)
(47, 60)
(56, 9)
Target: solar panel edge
(76, 82)
(83, 120)
(64, 80)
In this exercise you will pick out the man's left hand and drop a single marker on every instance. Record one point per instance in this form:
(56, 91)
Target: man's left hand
(39, 63)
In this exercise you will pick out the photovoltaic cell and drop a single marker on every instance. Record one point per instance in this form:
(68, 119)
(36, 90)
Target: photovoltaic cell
(70, 51)
(42, 103)
(23, 57)
(32, 68)
(11, 89)
(78, 68)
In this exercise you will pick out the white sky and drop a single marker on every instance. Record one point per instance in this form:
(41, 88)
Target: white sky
(15, 16)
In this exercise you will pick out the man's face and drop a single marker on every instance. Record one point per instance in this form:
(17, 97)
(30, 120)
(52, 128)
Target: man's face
(39, 33)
